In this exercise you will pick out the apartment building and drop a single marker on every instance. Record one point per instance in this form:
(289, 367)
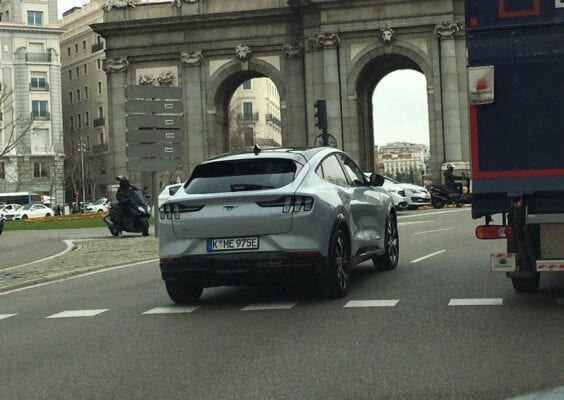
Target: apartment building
(84, 102)
(254, 115)
(31, 125)
(402, 158)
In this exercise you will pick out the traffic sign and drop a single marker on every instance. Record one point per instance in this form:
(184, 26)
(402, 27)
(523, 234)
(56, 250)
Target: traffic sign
(152, 92)
(154, 136)
(154, 121)
(153, 107)
(154, 150)
(152, 164)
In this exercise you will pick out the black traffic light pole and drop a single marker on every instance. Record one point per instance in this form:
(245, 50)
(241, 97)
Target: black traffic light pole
(321, 119)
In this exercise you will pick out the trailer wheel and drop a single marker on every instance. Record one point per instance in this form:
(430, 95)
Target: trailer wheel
(526, 284)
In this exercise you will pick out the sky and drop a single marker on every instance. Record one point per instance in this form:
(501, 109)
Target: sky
(399, 102)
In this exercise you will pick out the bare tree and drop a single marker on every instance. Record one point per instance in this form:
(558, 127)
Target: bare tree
(14, 127)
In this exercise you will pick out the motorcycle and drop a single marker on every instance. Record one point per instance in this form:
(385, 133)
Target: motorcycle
(441, 195)
(135, 214)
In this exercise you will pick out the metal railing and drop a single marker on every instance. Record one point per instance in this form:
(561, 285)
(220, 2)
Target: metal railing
(40, 116)
(274, 120)
(97, 47)
(44, 88)
(38, 57)
(248, 117)
(98, 122)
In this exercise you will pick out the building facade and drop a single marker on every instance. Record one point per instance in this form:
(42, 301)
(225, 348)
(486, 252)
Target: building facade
(402, 159)
(255, 115)
(31, 126)
(84, 103)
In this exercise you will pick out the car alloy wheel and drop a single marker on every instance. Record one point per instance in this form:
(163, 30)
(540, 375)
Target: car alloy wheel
(337, 274)
(389, 260)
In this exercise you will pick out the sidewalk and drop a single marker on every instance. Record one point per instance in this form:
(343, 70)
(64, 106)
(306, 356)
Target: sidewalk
(84, 256)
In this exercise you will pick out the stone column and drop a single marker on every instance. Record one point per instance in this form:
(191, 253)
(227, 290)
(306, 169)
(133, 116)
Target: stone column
(194, 144)
(116, 69)
(293, 111)
(450, 90)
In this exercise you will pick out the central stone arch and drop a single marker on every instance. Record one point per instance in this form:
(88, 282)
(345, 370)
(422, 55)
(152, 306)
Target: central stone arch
(220, 89)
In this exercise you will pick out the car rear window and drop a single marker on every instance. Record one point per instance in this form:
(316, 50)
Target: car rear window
(242, 175)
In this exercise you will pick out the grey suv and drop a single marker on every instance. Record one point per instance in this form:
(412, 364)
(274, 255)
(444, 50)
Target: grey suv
(244, 218)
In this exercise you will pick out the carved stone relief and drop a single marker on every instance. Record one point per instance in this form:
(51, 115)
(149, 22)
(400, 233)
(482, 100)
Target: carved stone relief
(107, 5)
(243, 52)
(178, 3)
(294, 50)
(387, 35)
(449, 29)
(119, 64)
(191, 58)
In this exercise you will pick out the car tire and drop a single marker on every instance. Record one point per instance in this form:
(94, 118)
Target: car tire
(114, 231)
(389, 260)
(180, 292)
(145, 230)
(24, 217)
(47, 215)
(337, 279)
(437, 203)
(526, 284)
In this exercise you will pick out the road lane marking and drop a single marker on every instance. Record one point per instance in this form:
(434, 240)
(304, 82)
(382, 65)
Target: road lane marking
(413, 223)
(432, 213)
(4, 316)
(433, 231)
(268, 306)
(77, 313)
(560, 301)
(370, 303)
(427, 256)
(476, 302)
(172, 310)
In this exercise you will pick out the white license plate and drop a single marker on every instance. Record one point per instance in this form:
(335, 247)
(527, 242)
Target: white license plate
(242, 243)
(502, 262)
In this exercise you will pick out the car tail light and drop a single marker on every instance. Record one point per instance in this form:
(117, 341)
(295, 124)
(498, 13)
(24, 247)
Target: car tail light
(170, 210)
(494, 231)
(294, 203)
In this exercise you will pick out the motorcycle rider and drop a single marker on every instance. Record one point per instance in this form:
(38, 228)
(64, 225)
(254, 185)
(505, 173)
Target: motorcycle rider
(450, 179)
(123, 197)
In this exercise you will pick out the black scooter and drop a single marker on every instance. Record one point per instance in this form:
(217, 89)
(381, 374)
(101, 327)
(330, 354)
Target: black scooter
(135, 214)
(442, 195)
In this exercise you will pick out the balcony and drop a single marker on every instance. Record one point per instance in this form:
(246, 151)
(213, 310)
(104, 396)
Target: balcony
(38, 57)
(36, 88)
(97, 47)
(100, 148)
(272, 119)
(248, 117)
(98, 122)
(40, 116)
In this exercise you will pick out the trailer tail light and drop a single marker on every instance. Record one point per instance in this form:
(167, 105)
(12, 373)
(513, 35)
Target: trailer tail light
(494, 231)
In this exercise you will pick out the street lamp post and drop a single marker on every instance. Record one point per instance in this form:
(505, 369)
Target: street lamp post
(82, 149)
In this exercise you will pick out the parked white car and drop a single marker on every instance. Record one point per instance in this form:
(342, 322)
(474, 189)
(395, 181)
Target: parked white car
(416, 195)
(30, 211)
(100, 205)
(396, 192)
(7, 208)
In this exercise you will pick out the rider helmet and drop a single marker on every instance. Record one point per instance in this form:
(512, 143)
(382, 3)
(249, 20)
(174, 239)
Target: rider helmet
(450, 167)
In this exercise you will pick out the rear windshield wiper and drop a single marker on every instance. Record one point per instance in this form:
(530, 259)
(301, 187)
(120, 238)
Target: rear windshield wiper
(248, 186)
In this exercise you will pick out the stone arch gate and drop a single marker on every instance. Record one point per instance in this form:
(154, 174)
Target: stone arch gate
(311, 49)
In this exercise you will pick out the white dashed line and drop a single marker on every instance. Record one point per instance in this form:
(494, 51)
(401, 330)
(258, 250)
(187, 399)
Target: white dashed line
(4, 316)
(172, 310)
(370, 303)
(560, 301)
(476, 302)
(413, 223)
(77, 313)
(268, 306)
(433, 231)
(427, 256)
(433, 213)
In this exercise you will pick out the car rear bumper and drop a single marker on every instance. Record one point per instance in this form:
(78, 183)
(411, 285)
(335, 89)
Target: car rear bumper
(240, 268)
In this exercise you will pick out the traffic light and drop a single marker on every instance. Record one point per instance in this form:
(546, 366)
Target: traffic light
(321, 114)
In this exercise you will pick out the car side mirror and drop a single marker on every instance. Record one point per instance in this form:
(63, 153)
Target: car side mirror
(376, 180)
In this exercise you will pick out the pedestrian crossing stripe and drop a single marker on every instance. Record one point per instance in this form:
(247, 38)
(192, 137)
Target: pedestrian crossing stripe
(172, 310)
(4, 316)
(77, 313)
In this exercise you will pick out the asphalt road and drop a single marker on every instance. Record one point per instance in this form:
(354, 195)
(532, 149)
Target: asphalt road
(413, 345)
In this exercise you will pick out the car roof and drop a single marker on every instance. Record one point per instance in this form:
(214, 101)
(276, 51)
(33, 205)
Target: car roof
(299, 154)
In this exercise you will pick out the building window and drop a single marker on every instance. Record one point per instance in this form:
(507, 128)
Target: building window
(85, 69)
(85, 92)
(39, 109)
(247, 110)
(99, 87)
(77, 95)
(86, 141)
(2, 170)
(77, 72)
(247, 85)
(40, 169)
(79, 120)
(35, 18)
(98, 63)
(70, 74)
(84, 45)
(76, 47)
(70, 97)
(38, 80)
(68, 51)
(100, 112)
(86, 118)
(72, 123)
(101, 137)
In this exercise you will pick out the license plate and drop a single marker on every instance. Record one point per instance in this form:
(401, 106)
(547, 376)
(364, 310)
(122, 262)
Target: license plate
(242, 243)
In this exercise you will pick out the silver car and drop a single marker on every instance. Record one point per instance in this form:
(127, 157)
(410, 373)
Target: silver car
(245, 218)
